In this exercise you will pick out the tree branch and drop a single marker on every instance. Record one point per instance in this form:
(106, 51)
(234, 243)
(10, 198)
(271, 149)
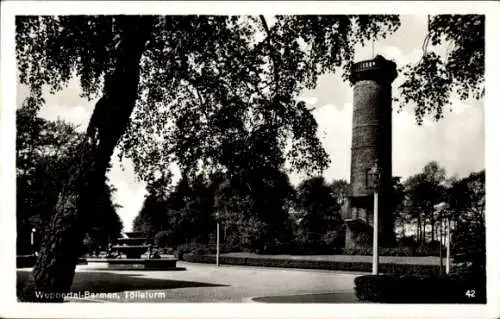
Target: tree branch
(271, 53)
(427, 38)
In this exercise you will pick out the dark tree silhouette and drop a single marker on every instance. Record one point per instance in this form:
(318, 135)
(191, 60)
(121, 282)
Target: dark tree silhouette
(467, 203)
(319, 207)
(423, 191)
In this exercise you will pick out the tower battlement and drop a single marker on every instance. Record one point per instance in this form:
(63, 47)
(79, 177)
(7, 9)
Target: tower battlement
(378, 69)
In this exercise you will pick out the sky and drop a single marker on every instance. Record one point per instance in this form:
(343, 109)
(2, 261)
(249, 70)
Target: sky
(455, 142)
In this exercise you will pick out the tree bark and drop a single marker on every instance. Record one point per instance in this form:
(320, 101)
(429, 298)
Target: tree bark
(53, 273)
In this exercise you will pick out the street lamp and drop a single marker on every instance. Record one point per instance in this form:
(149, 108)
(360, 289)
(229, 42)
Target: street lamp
(373, 182)
(218, 251)
(448, 238)
(33, 230)
(440, 208)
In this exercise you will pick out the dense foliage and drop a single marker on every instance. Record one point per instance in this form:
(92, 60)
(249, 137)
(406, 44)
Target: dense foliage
(423, 191)
(183, 215)
(188, 213)
(421, 226)
(44, 155)
(467, 205)
(320, 225)
(264, 214)
(208, 84)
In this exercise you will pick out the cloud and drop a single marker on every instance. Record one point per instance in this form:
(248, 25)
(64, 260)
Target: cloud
(397, 55)
(455, 142)
(310, 101)
(336, 122)
(334, 131)
(78, 114)
(330, 89)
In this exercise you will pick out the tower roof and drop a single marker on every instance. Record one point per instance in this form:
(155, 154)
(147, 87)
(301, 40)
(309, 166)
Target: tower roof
(379, 69)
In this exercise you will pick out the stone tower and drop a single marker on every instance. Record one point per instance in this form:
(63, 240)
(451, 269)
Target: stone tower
(371, 142)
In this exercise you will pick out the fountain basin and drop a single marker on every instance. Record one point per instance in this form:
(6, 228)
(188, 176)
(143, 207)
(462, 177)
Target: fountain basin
(135, 234)
(133, 263)
(134, 241)
(131, 251)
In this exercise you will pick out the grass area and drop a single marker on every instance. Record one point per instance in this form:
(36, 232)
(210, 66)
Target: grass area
(420, 260)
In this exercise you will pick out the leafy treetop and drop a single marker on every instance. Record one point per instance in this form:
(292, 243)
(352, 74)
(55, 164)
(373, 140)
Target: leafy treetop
(208, 83)
(436, 78)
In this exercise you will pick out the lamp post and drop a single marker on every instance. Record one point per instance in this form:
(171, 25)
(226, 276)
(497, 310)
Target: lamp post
(448, 238)
(33, 230)
(373, 181)
(440, 208)
(218, 251)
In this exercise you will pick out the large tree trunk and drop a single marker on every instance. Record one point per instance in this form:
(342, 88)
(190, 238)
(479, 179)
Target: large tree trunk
(61, 246)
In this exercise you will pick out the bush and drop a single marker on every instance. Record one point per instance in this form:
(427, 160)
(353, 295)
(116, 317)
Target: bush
(407, 241)
(181, 250)
(421, 288)
(161, 238)
(469, 246)
(193, 249)
(334, 239)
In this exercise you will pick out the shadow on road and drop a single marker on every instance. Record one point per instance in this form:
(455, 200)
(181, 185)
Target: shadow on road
(310, 298)
(104, 282)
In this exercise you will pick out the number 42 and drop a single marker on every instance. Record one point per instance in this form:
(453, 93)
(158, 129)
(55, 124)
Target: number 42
(470, 293)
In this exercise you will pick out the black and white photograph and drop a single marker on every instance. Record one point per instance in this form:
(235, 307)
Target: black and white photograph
(249, 153)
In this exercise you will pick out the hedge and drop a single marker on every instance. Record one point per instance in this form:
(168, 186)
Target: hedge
(396, 251)
(311, 264)
(420, 288)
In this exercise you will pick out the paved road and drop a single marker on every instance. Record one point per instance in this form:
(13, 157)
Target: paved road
(208, 283)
